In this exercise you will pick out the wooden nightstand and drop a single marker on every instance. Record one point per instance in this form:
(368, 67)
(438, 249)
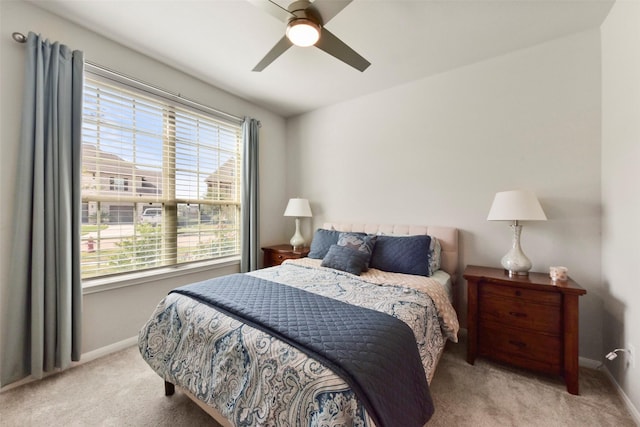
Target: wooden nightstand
(527, 321)
(275, 255)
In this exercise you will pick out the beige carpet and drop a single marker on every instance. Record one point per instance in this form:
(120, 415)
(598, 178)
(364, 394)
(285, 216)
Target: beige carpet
(121, 390)
(490, 394)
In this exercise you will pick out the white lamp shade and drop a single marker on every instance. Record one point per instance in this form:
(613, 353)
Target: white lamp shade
(516, 205)
(298, 208)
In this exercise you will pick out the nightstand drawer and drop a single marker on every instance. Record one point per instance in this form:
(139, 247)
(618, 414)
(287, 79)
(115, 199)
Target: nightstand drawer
(275, 258)
(540, 297)
(520, 314)
(525, 349)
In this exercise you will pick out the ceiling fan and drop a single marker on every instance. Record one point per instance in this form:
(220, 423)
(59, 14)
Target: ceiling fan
(305, 27)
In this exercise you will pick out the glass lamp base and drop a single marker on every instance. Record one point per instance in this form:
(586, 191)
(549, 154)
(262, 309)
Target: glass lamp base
(515, 261)
(297, 241)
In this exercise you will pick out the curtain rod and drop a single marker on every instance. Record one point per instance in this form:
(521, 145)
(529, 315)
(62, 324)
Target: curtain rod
(155, 90)
(21, 38)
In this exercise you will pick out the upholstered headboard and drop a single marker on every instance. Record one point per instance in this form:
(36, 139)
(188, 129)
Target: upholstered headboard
(447, 236)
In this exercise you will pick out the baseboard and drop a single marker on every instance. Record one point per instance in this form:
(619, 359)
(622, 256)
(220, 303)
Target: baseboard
(105, 351)
(635, 414)
(589, 363)
(595, 364)
(84, 358)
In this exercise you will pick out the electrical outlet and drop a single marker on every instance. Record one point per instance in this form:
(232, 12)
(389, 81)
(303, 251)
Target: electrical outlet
(631, 356)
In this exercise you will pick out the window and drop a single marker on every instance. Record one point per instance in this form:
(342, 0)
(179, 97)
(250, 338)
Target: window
(118, 184)
(160, 178)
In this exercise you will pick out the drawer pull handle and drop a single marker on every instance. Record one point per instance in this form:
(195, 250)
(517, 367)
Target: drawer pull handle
(518, 344)
(280, 256)
(518, 293)
(516, 314)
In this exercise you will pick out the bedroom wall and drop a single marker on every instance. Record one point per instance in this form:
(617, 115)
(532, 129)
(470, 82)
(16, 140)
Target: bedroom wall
(435, 151)
(621, 190)
(115, 315)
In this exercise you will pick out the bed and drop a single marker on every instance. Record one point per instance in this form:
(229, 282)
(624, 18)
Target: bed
(243, 374)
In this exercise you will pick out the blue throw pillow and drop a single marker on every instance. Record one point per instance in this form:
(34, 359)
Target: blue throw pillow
(360, 242)
(402, 254)
(346, 259)
(322, 241)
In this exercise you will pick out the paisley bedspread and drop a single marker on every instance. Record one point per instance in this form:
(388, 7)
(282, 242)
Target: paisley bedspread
(254, 379)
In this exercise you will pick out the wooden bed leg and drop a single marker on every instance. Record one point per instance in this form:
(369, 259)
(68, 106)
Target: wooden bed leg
(169, 389)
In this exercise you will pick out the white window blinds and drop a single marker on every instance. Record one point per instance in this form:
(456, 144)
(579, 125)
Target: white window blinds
(160, 179)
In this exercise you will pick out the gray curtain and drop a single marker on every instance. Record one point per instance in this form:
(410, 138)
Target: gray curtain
(250, 205)
(42, 303)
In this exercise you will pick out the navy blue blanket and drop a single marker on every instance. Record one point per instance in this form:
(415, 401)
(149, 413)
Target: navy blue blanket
(373, 352)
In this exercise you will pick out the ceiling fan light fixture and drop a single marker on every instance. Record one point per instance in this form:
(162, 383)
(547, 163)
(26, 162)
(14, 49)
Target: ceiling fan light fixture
(303, 32)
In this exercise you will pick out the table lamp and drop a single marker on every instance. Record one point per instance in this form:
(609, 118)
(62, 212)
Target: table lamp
(298, 208)
(516, 205)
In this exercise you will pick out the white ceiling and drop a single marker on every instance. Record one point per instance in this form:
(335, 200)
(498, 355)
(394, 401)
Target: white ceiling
(220, 41)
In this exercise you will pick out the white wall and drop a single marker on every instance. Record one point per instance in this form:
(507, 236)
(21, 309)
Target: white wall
(435, 151)
(621, 189)
(115, 315)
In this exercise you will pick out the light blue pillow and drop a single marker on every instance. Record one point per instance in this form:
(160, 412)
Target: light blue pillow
(344, 258)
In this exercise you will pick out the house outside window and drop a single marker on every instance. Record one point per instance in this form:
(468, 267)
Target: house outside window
(160, 179)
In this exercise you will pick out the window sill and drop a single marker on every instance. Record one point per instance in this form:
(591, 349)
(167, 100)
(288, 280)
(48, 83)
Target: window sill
(91, 286)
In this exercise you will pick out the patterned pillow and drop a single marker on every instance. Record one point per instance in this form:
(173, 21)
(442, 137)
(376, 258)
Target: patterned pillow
(402, 254)
(360, 242)
(322, 241)
(344, 258)
(434, 255)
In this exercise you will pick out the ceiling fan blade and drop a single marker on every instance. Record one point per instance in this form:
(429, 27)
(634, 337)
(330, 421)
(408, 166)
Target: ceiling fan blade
(283, 44)
(273, 9)
(327, 9)
(337, 48)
